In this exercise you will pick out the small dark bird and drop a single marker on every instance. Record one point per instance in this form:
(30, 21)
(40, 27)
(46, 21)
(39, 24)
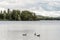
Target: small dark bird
(37, 35)
(24, 34)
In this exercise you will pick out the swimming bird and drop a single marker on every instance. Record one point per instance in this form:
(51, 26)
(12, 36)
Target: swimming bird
(38, 35)
(24, 34)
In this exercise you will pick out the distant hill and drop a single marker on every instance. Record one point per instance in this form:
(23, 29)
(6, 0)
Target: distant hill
(40, 17)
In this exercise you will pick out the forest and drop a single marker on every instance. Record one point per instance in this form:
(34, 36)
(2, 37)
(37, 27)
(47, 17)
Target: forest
(17, 15)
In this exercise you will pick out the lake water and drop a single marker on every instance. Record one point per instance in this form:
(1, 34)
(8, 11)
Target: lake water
(13, 30)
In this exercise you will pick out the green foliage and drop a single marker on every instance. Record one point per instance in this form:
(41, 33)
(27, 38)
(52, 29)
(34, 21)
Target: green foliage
(26, 15)
(17, 15)
(1, 16)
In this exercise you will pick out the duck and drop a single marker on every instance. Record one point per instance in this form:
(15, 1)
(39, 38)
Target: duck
(38, 35)
(24, 34)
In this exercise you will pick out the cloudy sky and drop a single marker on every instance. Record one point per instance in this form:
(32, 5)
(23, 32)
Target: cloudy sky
(40, 7)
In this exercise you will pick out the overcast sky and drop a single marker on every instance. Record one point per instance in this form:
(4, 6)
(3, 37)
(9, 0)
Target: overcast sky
(42, 7)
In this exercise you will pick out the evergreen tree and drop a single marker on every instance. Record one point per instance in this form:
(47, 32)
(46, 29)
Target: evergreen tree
(4, 13)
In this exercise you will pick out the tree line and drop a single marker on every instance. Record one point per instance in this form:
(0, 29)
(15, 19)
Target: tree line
(17, 15)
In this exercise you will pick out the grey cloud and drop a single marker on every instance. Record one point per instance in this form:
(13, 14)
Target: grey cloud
(39, 4)
(1, 0)
(49, 7)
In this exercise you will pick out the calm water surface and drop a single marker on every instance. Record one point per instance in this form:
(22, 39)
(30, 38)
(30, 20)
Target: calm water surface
(13, 30)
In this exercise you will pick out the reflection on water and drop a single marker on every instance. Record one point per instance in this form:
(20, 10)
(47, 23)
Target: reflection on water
(47, 30)
(18, 35)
